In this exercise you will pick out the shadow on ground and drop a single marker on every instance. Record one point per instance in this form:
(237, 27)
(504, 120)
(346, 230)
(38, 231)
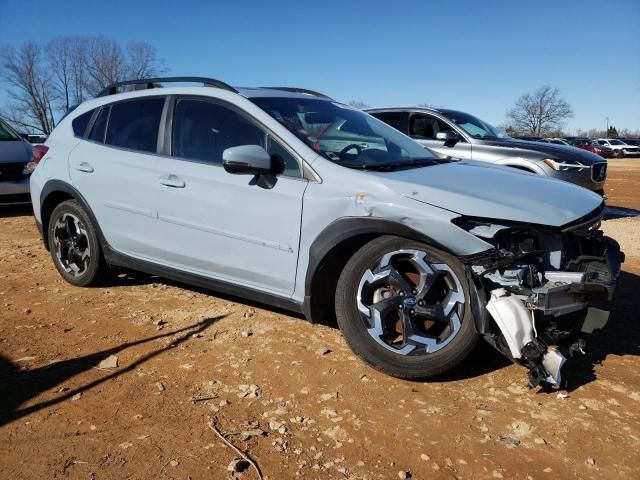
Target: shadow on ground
(612, 212)
(18, 386)
(123, 277)
(7, 211)
(620, 336)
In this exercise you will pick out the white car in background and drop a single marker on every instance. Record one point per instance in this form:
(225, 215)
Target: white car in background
(620, 149)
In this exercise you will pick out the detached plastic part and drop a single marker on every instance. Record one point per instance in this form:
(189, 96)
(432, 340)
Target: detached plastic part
(513, 319)
(552, 362)
(596, 319)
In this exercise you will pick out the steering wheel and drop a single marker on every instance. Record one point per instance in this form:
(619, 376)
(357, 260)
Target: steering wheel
(349, 147)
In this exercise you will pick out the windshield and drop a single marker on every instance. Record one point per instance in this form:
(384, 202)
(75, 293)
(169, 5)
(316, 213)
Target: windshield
(616, 142)
(345, 135)
(474, 126)
(7, 133)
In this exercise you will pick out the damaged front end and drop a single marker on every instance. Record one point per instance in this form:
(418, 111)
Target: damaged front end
(541, 290)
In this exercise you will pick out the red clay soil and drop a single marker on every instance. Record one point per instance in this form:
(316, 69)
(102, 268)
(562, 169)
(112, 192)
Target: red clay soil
(290, 394)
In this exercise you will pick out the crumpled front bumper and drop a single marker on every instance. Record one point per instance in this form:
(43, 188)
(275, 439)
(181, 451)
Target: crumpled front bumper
(537, 329)
(565, 292)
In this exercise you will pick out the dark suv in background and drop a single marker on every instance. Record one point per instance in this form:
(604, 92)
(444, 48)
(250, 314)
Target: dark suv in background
(451, 133)
(15, 166)
(630, 141)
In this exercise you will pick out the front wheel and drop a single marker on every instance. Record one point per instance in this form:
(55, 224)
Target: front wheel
(403, 307)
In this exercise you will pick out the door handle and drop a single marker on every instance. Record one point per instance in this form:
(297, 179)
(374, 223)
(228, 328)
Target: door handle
(172, 181)
(84, 167)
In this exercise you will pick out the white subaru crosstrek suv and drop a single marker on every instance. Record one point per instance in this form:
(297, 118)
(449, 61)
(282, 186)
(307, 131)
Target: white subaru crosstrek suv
(289, 198)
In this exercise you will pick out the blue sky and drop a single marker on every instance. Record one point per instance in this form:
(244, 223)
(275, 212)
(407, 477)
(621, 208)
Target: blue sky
(474, 56)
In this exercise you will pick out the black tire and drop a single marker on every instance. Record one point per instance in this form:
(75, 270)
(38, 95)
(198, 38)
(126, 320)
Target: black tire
(92, 269)
(357, 334)
(620, 154)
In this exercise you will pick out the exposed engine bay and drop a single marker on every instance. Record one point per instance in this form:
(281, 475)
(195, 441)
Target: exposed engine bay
(542, 290)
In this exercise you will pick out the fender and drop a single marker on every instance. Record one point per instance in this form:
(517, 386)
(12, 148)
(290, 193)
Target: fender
(349, 227)
(333, 238)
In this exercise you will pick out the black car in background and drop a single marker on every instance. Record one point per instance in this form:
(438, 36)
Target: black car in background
(631, 141)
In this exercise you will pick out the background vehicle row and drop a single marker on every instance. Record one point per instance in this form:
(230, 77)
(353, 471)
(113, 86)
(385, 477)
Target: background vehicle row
(451, 133)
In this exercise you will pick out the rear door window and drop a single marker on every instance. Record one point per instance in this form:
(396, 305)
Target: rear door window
(134, 124)
(99, 126)
(398, 120)
(80, 123)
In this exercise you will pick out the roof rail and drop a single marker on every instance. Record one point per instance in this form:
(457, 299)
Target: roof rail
(150, 83)
(299, 90)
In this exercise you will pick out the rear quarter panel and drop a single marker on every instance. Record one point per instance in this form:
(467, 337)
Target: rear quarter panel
(55, 164)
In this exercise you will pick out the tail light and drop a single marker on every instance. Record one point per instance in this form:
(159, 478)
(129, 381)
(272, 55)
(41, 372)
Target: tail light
(39, 151)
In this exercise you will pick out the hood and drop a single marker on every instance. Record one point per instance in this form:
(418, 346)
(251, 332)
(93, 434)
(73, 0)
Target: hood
(548, 150)
(480, 190)
(15, 151)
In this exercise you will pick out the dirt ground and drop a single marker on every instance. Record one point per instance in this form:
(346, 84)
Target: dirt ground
(288, 393)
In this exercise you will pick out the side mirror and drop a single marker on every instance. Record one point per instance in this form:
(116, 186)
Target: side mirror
(449, 136)
(252, 160)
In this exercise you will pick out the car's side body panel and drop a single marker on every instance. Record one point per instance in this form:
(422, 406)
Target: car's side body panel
(225, 226)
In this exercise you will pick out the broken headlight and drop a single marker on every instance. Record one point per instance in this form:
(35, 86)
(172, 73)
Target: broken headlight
(511, 236)
(479, 227)
(513, 242)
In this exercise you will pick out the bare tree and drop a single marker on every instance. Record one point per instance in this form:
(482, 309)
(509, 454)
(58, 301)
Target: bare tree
(358, 104)
(65, 59)
(508, 129)
(104, 64)
(30, 93)
(82, 66)
(540, 112)
(627, 133)
(143, 61)
(429, 105)
(46, 82)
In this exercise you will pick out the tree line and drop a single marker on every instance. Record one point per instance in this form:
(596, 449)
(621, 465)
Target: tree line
(541, 113)
(46, 80)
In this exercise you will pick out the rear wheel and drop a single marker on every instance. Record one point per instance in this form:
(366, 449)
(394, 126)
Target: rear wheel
(403, 307)
(74, 245)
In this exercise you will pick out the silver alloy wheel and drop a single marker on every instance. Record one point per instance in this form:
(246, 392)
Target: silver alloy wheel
(71, 244)
(410, 303)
